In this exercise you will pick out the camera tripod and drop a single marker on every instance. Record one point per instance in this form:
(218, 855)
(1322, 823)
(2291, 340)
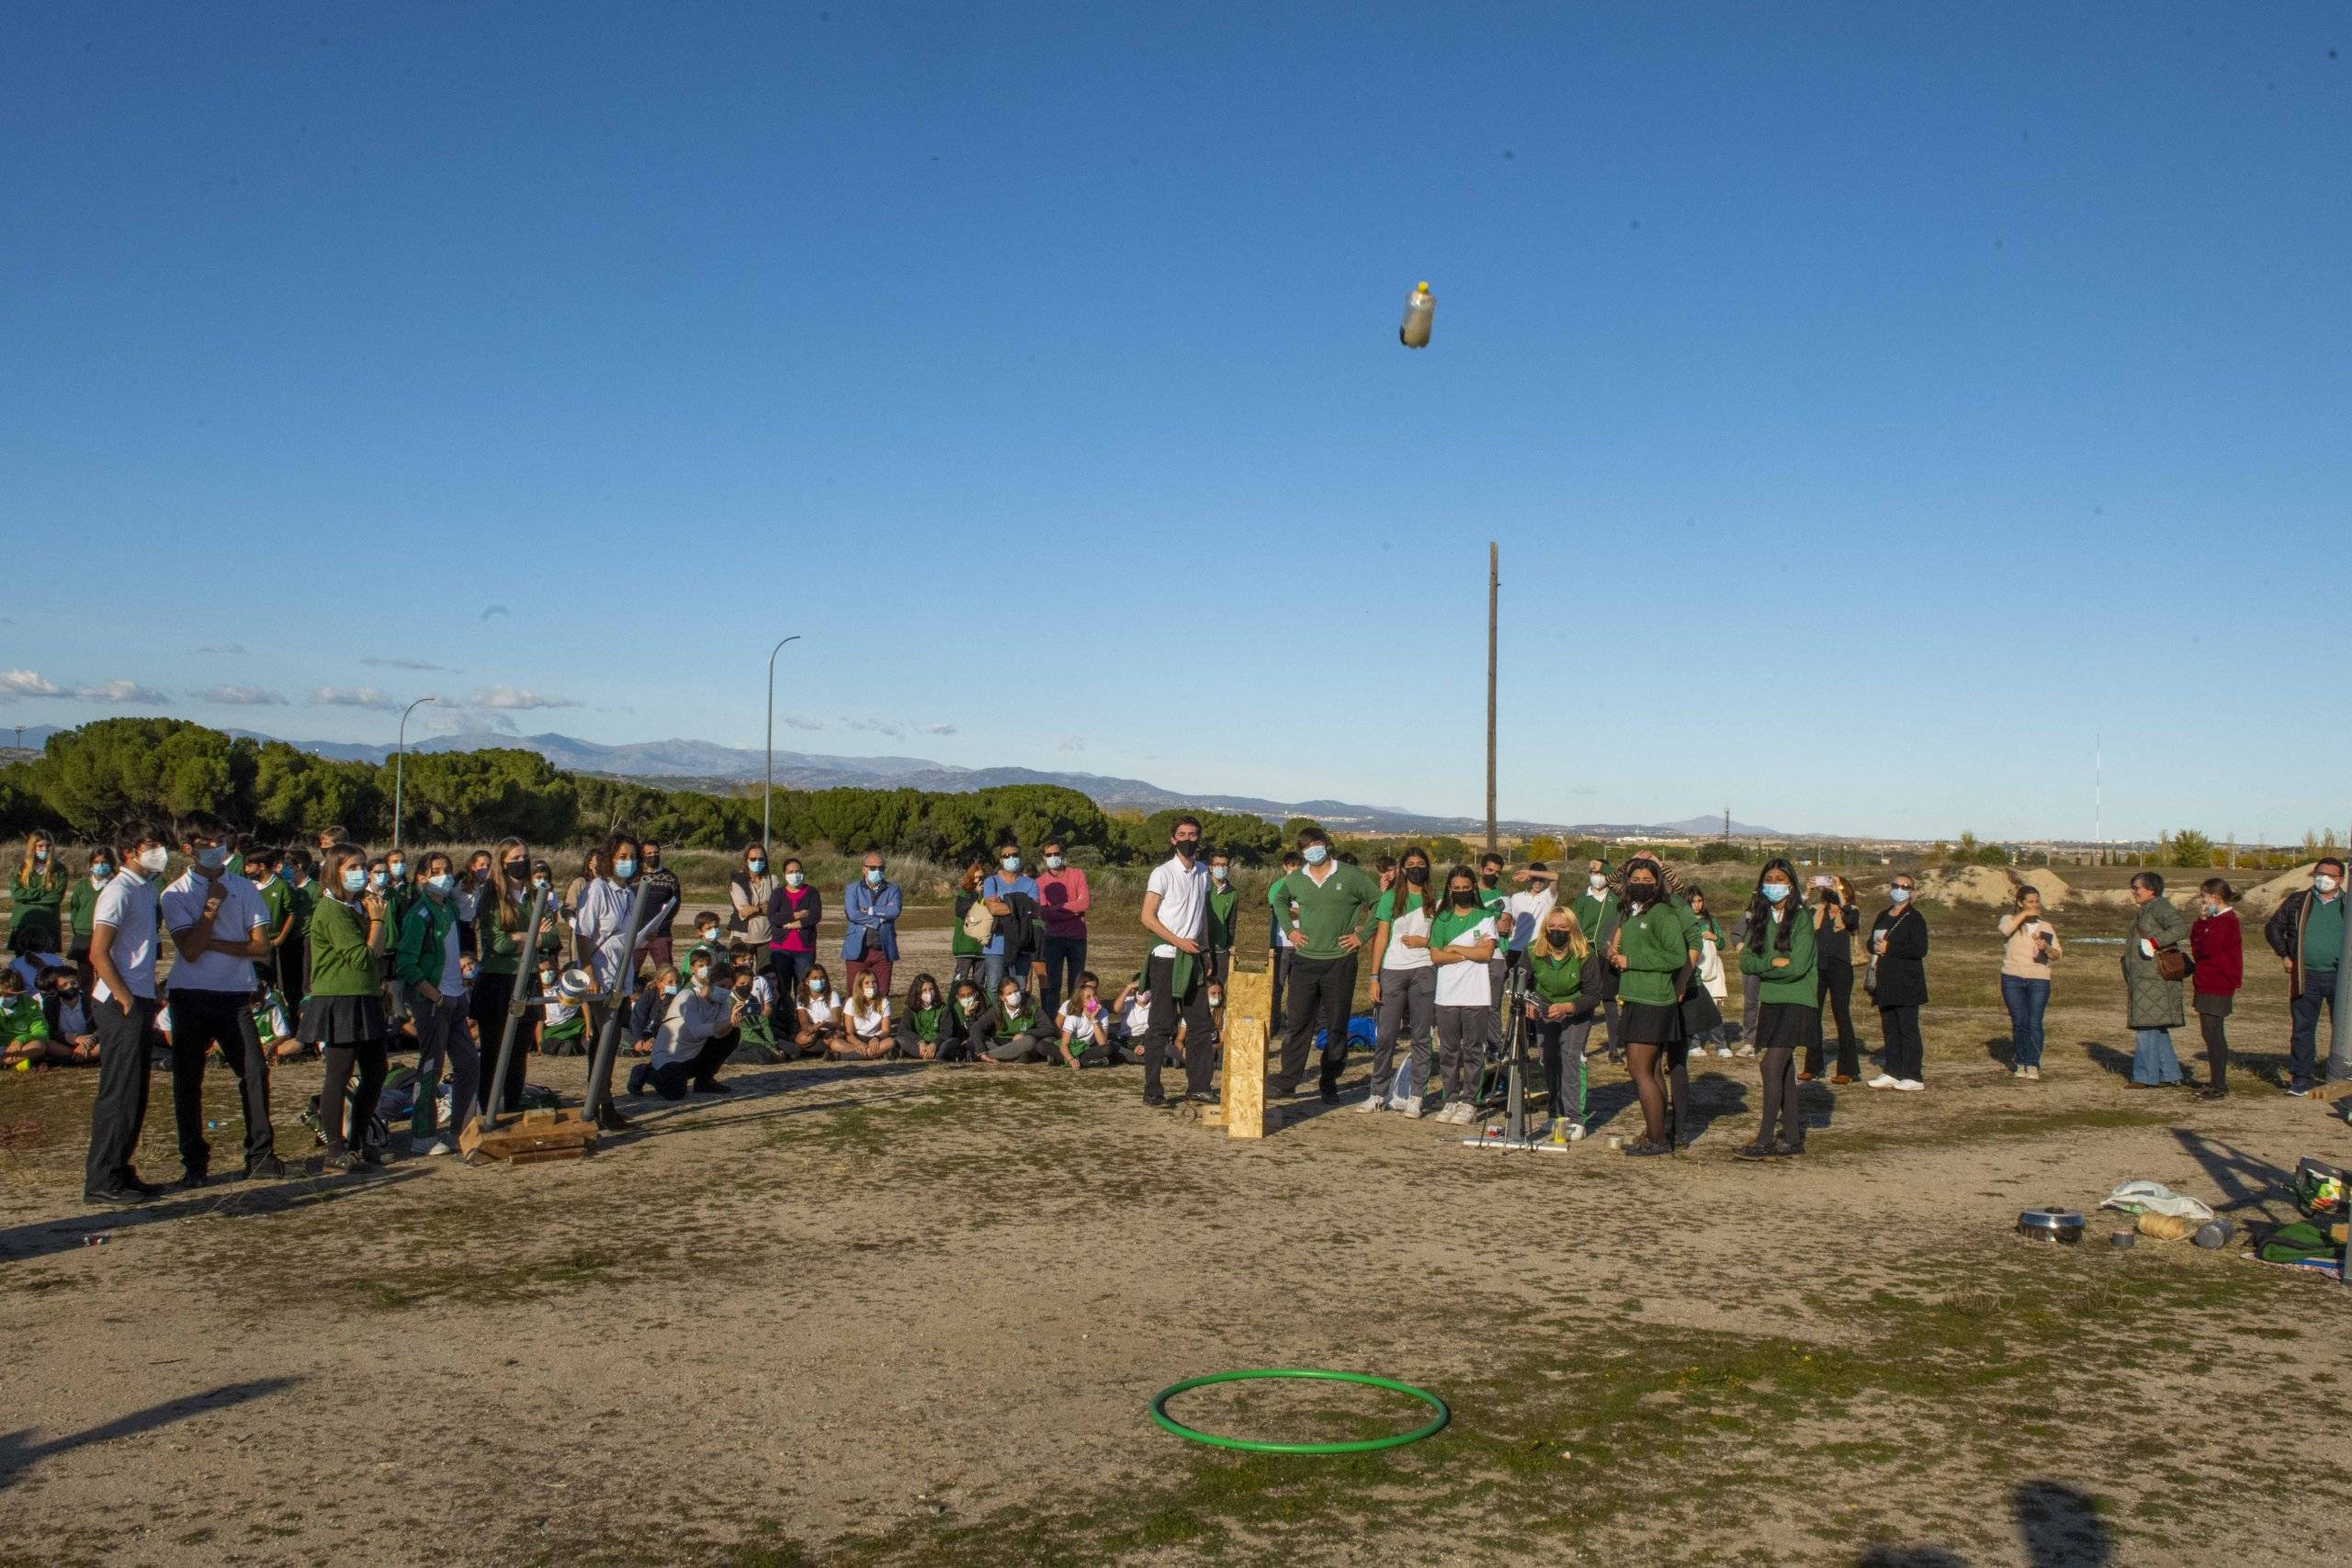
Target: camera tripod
(1513, 1136)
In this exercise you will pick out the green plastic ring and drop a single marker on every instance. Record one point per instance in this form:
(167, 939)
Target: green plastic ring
(1368, 1445)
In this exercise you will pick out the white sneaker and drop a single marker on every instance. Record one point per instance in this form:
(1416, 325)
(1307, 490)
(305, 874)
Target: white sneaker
(1412, 1108)
(1462, 1113)
(1745, 1049)
(1724, 1051)
(2033, 1075)
(1914, 1085)
(1370, 1104)
(1576, 1132)
(1885, 1080)
(427, 1146)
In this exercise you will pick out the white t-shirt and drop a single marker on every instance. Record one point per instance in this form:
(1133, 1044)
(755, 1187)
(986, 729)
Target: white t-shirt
(1137, 1020)
(816, 1012)
(1527, 911)
(1467, 985)
(128, 903)
(242, 914)
(1413, 922)
(869, 1026)
(1074, 1019)
(1183, 899)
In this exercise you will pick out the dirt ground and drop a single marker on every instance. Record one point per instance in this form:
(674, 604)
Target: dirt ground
(896, 1313)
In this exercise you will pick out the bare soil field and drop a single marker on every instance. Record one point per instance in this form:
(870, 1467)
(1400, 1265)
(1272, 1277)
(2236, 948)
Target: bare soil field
(897, 1313)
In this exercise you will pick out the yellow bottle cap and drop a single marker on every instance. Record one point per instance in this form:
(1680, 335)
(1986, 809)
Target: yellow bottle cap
(1422, 286)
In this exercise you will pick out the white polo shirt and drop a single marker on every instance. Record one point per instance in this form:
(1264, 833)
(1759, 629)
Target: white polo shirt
(128, 904)
(1183, 899)
(1527, 911)
(1466, 984)
(242, 915)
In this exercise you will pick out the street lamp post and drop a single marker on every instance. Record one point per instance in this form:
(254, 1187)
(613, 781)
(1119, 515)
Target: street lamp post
(400, 766)
(767, 793)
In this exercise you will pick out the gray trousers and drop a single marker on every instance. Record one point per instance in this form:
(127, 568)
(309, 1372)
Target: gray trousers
(442, 1041)
(1751, 1004)
(1462, 1049)
(1016, 1048)
(1408, 1002)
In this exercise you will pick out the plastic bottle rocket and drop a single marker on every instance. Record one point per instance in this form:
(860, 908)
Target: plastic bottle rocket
(1420, 306)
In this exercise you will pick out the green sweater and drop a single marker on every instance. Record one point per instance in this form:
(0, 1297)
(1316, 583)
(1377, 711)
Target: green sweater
(1343, 903)
(81, 908)
(1655, 947)
(279, 901)
(306, 904)
(1794, 983)
(22, 1021)
(342, 964)
(1591, 911)
(424, 941)
(925, 1022)
(1558, 979)
(1224, 903)
(36, 900)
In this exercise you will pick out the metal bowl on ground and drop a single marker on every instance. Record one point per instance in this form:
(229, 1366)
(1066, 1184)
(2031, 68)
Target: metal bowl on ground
(2062, 1225)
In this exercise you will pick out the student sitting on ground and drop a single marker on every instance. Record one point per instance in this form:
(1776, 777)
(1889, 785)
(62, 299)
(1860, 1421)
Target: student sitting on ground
(1083, 1026)
(566, 1030)
(1016, 1032)
(758, 1042)
(964, 1034)
(865, 1021)
(821, 1018)
(1131, 1019)
(66, 1009)
(697, 1034)
(653, 1000)
(24, 1029)
(922, 1021)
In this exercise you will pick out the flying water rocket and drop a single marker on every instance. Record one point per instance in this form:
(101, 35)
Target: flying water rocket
(1420, 306)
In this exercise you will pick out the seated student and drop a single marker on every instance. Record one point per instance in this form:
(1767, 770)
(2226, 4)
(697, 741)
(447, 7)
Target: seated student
(1016, 1032)
(565, 1030)
(653, 1000)
(31, 960)
(821, 1019)
(1083, 1027)
(964, 1033)
(758, 1042)
(25, 1041)
(865, 1021)
(66, 1007)
(698, 1031)
(1131, 1019)
(709, 939)
(921, 1022)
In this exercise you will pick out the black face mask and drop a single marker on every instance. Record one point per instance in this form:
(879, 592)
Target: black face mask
(517, 870)
(1189, 848)
(1559, 938)
(1466, 900)
(1488, 879)
(1418, 875)
(1642, 892)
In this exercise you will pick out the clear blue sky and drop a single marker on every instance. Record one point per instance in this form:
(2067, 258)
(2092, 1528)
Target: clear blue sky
(1873, 401)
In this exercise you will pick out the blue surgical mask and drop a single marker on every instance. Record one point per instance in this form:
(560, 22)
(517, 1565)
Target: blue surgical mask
(873, 878)
(100, 872)
(624, 869)
(440, 881)
(757, 867)
(1316, 854)
(792, 879)
(375, 878)
(212, 858)
(355, 879)
(1011, 862)
(1899, 894)
(398, 867)
(1775, 891)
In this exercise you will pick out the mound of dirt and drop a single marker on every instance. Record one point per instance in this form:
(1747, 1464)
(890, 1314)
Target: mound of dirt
(1994, 885)
(2265, 897)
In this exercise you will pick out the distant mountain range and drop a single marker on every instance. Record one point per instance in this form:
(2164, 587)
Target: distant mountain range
(703, 764)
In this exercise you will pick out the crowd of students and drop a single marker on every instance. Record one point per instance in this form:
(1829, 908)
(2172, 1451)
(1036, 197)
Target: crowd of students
(345, 954)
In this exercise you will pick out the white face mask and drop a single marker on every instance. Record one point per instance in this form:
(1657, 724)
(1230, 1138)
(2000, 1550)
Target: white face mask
(1898, 896)
(2324, 882)
(153, 861)
(1598, 882)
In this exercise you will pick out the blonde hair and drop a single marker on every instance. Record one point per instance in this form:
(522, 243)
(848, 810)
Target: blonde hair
(1579, 943)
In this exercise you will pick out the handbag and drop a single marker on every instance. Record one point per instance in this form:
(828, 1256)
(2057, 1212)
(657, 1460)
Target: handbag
(980, 922)
(2172, 963)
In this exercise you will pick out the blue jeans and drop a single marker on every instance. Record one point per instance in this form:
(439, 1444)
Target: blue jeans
(2302, 1044)
(2152, 1060)
(2027, 1000)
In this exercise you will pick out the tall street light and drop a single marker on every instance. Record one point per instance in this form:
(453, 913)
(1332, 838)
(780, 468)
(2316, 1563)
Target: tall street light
(768, 793)
(400, 765)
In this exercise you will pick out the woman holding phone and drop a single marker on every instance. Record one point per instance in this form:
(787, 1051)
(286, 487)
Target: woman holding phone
(1837, 915)
(2029, 946)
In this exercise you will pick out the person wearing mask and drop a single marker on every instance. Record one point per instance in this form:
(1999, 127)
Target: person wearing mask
(1224, 925)
(66, 1005)
(267, 867)
(1897, 984)
(2153, 998)
(794, 910)
(594, 867)
(2029, 946)
(866, 1034)
(122, 954)
(997, 892)
(1708, 1032)
(700, 1027)
(399, 889)
(81, 911)
(819, 1033)
(471, 884)
(220, 928)
(658, 882)
(1404, 989)
(1329, 917)
(653, 1000)
(1279, 950)
(965, 948)
(36, 894)
(923, 1022)
(964, 1033)
(343, 1015)
(1063, 898)
(1464, 932)
(870, 945)
(302, 894)
(1781, 953)
(1175, 913)
(502, 950)
(1561, 1001)
(2218, 949)
(749, 888)
(602, 922)
(1598, 910)
(425, 965)
(1083, 1024)
(1649, 949)
(1017, 1031)
(1837, 915)
(2307, 934)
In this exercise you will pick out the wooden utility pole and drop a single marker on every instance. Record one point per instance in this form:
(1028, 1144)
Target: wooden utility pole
(1494, 587)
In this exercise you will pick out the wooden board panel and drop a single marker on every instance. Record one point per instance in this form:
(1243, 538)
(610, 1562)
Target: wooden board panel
(1245, 1078)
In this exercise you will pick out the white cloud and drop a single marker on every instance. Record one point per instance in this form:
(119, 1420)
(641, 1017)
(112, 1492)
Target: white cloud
(355, 697)
(939, 729)
(794, 721)
(28, 683)
(242, 696)
(406, 664)
(516, 699)
(873, 726)
(119, 692)
(1072, 743)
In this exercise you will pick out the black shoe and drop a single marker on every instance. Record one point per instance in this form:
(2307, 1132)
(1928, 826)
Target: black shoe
(1641, 1148)
(1781, 1150)
(1331, 1093)
(2213, 1094)
(1759, 1149)
(638, 1077)
(1155, 1099)
(611, 1120)
(269, 1167)
(712, 1085)
(114, 1197)
(342, 1162)
(191, 1179)
(1277, 1088)
(372, 1154)
(1202, 1100)
(144, 1189)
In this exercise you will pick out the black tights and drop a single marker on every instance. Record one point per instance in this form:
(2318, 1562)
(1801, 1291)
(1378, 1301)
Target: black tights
(1647, 1065)
(1778, 1067)
(369, 1057)
(2217, 1047)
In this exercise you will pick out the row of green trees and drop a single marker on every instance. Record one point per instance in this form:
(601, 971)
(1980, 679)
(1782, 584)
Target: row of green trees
(88, 780)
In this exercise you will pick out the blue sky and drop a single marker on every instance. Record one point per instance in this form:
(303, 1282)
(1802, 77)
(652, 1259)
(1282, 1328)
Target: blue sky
(1873, 403)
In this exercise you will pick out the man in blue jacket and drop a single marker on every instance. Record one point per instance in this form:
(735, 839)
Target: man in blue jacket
(870, 946)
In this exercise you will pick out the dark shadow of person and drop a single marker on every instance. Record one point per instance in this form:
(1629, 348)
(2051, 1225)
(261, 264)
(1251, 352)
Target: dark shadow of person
(2060, 1527)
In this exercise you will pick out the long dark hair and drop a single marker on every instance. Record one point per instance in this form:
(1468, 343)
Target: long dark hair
(1760, 909)
(1405, 889)
(1656, 869)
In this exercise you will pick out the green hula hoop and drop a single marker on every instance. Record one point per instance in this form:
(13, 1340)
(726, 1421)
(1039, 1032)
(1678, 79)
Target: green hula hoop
(1368, 1445)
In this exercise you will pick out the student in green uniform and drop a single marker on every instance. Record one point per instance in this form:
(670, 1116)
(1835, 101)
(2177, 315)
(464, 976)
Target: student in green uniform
(426, 965)
(969, 952)
(1279, 950)
(294, 953)
(35, 896)
(501, 947)
(1403, 988)
(1462, 941)
(343, 1015)
(81, 911)
(1598, 910)
(1327, 908)
(920, 1021)
(1647, 952)
(1781, 954)
(1559, 1015)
